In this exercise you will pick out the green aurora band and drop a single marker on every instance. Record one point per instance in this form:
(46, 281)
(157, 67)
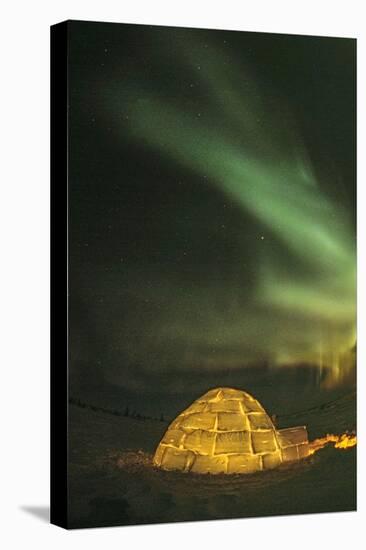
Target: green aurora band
(245, 143)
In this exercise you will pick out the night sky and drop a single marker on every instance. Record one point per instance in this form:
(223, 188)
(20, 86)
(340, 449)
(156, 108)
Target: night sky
(212, 209)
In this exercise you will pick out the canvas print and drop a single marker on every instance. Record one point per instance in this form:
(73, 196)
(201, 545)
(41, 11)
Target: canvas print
(211, 274)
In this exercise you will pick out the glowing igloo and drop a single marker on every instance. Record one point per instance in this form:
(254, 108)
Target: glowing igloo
(228, 431)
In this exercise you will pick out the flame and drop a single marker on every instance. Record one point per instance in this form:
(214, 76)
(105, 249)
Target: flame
(343, 441)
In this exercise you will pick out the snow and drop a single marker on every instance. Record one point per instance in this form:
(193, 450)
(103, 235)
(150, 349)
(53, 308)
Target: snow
(112, 480)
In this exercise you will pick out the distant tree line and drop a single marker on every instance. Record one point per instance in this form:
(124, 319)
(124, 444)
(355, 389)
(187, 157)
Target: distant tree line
(115, 412)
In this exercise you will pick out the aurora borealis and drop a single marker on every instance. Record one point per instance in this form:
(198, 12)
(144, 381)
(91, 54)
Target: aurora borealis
(213, 220)
(231, 146)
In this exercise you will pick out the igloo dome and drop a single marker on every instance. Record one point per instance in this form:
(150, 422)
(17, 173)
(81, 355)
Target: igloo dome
(227, 431)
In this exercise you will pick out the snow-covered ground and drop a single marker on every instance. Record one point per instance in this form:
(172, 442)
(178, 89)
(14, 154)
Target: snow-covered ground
(112, 481)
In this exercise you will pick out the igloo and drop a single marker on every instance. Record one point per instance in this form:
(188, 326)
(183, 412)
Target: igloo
(228, 431)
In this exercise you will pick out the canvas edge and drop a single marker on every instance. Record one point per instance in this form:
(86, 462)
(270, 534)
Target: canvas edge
(59, 274)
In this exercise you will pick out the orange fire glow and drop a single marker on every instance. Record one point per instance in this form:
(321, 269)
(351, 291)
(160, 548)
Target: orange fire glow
(343, 441)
